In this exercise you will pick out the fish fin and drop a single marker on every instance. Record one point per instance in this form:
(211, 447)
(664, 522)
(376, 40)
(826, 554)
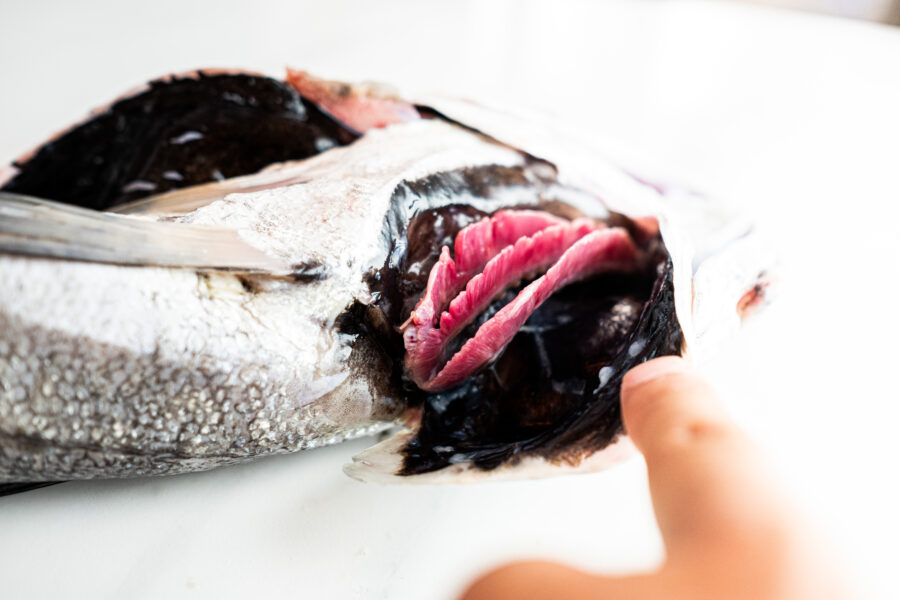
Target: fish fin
(43, 228)
(8, 489)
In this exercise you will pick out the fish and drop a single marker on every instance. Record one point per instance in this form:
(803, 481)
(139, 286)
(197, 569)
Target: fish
(222, 265)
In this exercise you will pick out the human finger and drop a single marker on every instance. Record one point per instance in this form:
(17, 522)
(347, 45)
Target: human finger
(711, 488)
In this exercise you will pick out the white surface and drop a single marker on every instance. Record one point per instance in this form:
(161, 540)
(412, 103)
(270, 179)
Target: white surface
(797, 116)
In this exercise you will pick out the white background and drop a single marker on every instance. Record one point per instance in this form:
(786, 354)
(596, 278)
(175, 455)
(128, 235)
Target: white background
(797, 117)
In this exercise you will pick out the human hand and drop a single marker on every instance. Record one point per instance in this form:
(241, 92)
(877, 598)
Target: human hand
(728, 531)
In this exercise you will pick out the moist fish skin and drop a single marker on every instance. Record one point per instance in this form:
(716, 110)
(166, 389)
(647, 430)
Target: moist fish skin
(186, 379)
(228, 319)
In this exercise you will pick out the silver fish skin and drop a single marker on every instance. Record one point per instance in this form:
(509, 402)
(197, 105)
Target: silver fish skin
(133, 368)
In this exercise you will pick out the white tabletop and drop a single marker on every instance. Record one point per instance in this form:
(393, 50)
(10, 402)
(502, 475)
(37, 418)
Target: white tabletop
(796, 116)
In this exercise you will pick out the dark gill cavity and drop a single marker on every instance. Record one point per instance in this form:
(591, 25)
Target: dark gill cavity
(543, 395)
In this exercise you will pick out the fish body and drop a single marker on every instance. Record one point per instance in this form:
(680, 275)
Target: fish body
(143, 342)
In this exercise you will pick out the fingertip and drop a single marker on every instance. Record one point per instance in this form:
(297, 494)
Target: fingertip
(638, 389)
(541, 580)
(662, 395)
(653, 369)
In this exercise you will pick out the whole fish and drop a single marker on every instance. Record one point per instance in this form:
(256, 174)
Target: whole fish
(222, 265)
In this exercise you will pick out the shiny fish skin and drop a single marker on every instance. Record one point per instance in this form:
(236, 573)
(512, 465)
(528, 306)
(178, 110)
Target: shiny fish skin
(207, 383)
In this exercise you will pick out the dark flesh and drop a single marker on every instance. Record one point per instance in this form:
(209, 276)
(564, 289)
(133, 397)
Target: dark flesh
(180, 132)
(543, 395)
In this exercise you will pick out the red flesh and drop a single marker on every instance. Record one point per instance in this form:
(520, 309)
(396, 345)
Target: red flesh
(474, 247)
(509, 246)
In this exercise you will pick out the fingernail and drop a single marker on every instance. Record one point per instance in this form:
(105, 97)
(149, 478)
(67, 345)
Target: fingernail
(653, 369)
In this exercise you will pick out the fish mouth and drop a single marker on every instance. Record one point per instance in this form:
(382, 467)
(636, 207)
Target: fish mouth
(509, 330)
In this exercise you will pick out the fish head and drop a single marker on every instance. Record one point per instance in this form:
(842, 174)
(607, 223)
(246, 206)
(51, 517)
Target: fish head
(476, 283)
(546, 402)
